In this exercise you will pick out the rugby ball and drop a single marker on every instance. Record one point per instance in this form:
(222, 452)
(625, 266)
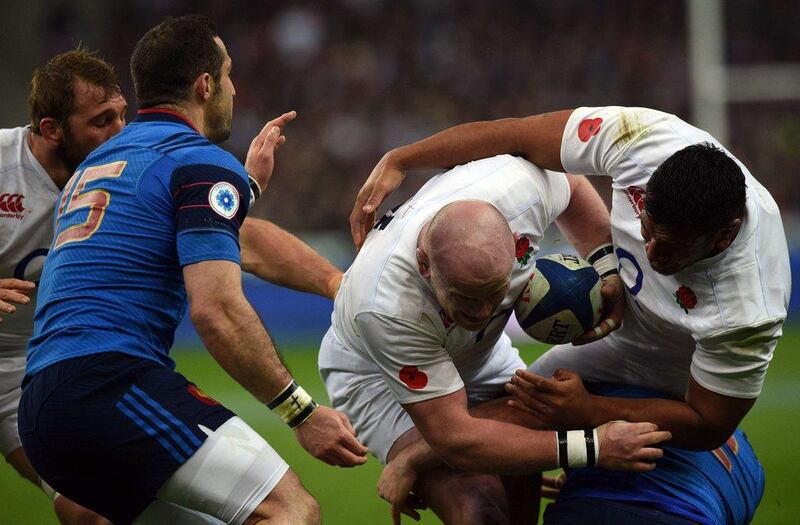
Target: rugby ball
(561, 299)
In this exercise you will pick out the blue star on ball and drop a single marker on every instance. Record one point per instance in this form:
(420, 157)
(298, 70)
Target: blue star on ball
(225, 200)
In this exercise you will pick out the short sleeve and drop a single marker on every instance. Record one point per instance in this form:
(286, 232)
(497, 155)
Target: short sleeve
(735, 364)
(415, 366)
(210, 205)
(595, 139)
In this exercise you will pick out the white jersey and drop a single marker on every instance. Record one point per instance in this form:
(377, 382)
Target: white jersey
(27, 200)
(386, 315)
(721, 317)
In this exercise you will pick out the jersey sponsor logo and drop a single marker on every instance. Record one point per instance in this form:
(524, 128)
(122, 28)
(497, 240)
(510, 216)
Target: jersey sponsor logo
(202, 396)
(523, 250)
(11, 206)
(685, 298)
(413, 377)
(588, 128)
(224, 199)
(635, 196)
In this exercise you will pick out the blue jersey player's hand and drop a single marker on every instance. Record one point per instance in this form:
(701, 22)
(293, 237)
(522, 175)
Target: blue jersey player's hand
(328, 436)
(261, 155)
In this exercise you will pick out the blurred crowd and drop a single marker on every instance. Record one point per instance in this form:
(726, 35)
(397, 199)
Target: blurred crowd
(368, 75)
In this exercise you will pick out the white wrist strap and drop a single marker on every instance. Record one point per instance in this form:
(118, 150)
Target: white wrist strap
(577, 448)
(255, 189)
(604, 260)
(294, 405)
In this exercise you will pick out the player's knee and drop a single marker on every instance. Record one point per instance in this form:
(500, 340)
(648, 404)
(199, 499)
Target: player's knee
(482, 506)
(288, 502)
(70, 513)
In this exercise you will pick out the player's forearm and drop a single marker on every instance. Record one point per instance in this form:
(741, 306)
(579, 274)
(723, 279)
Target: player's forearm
(585, 223)
(493, 447)
(277, 256)
(689, 429)
(236, 338)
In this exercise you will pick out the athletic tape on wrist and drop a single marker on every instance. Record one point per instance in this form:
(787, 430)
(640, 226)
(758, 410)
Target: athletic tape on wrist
(294, 405)
(255, 189)
(604, 260)
(577, 448)
(47, 489)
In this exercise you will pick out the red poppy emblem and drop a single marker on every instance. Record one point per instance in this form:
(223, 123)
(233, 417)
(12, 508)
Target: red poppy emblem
(588, 128)
(523, 250)
(686, 298)
(635, 196)
(413, 377)
(202, 396)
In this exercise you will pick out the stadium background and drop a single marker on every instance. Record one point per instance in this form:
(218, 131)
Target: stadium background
(368, 75)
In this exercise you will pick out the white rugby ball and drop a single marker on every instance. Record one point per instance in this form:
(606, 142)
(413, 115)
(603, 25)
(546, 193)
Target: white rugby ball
(561, 299)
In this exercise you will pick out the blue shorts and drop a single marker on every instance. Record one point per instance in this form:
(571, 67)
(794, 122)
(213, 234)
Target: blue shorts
(580, 511)
(107, 430)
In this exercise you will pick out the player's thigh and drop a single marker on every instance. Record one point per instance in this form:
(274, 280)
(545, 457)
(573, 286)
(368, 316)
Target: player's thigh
(235, 476)
(11, 371)
(288, 502)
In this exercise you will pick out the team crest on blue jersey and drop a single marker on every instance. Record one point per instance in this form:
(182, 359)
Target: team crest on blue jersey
(224, 199)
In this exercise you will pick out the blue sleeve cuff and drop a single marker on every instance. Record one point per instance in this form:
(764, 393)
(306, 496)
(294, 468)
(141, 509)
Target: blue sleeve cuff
(207, 245)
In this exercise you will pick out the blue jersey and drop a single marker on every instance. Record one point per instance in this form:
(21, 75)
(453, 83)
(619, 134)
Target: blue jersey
(718, 487)
(156, 197)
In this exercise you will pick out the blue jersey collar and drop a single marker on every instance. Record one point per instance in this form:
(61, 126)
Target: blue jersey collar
(163, 115)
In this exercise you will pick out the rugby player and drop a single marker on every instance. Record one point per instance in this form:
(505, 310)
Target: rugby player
(417, 333)
(149, 223)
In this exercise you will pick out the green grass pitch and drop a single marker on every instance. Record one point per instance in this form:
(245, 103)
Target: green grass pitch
(348, 496)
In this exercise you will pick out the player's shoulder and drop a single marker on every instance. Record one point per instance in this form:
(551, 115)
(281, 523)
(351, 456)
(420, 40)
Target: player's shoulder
(11, 138)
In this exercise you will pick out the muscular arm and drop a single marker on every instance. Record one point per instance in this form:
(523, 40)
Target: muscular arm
(585, 222)
(277, 256)
(231, 330)
(537, 138)
(703, 421)
(480, 445)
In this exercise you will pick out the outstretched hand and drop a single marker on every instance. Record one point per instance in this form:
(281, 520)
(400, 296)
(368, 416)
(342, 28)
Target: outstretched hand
(328, 436)
(613, 292)
(384, 179)
(261, 154)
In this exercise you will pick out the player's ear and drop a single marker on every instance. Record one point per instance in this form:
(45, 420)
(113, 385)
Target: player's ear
(51, 130)
(727, 234)
(204, 87)
(423, 264)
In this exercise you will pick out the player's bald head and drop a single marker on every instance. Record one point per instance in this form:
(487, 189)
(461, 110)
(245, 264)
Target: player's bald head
(470, 241)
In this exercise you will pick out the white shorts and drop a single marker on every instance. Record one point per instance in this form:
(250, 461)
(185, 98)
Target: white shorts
(231, 473)
(356, 387)
(12, 369)
(618, 359)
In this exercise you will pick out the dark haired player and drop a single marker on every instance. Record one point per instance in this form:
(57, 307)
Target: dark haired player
(701, 252)
(147, 227)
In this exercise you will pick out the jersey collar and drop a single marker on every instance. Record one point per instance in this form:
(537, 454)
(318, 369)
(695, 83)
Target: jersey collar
(163, 115)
